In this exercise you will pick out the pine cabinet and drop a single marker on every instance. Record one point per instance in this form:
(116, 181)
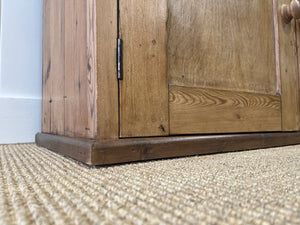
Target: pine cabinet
(146, 79)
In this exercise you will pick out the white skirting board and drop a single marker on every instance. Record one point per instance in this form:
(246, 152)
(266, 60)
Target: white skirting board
(20, 119)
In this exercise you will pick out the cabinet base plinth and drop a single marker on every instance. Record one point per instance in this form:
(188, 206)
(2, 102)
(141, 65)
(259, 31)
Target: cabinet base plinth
(107, 152)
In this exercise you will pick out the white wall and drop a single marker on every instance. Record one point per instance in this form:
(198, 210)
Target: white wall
(20, 70)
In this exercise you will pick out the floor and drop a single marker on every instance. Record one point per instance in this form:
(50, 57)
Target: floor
(250, 187)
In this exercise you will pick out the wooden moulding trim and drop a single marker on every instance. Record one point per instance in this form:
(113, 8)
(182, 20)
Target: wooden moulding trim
(107, 152)
(76, 148)
(277, 57)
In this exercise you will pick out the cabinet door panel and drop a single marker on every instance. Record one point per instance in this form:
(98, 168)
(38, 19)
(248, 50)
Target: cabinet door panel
(225, 45)
(224, 111)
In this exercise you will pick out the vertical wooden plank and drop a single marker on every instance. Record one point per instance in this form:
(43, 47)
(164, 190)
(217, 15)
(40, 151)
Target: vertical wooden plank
(80, 72)
(53, 67)
(144, 90)
(92, 68)
(46, 109)
(74, 28)
(108, 93)
(289, 73)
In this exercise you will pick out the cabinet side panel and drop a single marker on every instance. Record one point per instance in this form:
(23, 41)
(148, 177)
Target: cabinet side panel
(46, 109)
(80, 72)
(53, 67)
(108, 93)
(69, 68)
(289, 73)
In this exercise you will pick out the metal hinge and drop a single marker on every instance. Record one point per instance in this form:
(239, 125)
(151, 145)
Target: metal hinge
(120, 59)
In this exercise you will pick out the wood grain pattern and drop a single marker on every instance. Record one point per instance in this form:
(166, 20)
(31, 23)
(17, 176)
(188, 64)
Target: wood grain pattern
(69, 68)
(289, 74)
(144, 90)
(224, 45)
(104, 152)
(92, 71)
(46, 109)
(80, 79)
(53, 67)
(108, 90)
(199, 110)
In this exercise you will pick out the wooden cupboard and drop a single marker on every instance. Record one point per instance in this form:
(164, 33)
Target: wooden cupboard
(139, 80)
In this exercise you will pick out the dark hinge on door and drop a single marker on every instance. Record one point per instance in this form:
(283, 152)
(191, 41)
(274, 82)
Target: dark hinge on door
(120, 59)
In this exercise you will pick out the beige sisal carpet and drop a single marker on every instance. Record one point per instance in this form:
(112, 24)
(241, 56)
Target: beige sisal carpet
(253, 187)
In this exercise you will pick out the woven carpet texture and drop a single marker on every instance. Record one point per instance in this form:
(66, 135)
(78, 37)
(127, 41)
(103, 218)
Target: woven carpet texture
(250, 187)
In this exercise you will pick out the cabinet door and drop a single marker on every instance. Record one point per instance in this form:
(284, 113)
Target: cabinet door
(204, 66)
